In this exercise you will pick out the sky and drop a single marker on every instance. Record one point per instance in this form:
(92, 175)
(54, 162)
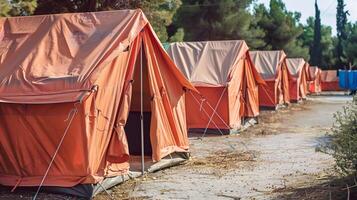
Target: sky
(327, 8)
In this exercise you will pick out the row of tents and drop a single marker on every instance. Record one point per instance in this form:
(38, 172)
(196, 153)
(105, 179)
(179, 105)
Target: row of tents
(235, 82)
(86, 98)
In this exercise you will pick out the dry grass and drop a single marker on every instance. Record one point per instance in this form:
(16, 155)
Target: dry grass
(334, 188)
(222, 162)
(270, 121)
(124, 190)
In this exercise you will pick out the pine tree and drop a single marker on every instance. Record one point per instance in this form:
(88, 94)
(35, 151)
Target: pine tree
(341, 20)
(282, 29)
(217, 20)
(327, 42)
(351, 45)
(316, 52)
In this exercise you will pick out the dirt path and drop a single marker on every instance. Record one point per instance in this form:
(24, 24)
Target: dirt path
(262, 163)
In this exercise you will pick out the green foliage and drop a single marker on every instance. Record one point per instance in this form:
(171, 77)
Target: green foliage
(159, 12)
(327, 46)
(343, 143)
(257, 39)
(5, 8)
(341, 20)
(178, 36)
(281, 28)
(327, 42)
(351, 45)
(316, 51)
(17, 7)
(217, 20)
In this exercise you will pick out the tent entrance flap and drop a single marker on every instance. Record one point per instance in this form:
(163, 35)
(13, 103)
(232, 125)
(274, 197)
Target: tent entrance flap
(133, 126)
(133, 131)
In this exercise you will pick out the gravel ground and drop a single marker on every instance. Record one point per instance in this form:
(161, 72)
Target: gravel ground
(267, 161)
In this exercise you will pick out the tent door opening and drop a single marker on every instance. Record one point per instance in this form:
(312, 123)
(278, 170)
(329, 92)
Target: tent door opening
(133, 125)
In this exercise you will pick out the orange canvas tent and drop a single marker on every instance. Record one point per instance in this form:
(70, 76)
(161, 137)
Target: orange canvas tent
(315, 80)
(271, 65)
(329, 80)
(298, 84)
(73, 89)
(227, 81)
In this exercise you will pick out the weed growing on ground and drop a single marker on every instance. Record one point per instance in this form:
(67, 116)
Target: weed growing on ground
(342, 144)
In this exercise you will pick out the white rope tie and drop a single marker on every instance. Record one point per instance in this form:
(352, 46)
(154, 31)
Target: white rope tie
(213, 122)
(211, 107)
(214, 111)
(205, 112)
(201, 104)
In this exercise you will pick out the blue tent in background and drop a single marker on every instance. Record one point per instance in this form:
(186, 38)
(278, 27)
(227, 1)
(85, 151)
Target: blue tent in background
(348, 79)
(343, 79)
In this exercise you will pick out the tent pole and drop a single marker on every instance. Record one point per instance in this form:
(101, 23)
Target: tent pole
(141, 112)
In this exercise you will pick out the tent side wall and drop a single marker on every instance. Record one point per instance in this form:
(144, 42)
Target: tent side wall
(285, 82)
(312, 87)
(109, 154)
(33, 147)
(199, 110)
(294, 89)
(298, 87)
(168, 131)
(82, 154)
(318, 81)
(268, 94)
(252, 81)
(330, 86)
(329, 80)
(315, 85)
(303, 82)
(279, 88)
(236, 95)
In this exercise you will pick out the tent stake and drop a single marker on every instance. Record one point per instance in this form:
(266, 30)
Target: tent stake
(141, 112)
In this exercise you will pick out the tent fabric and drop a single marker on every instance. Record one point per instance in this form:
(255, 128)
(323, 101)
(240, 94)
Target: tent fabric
(329, 80)
(298, 68)
(343, 79)
(267, 62)
(207, 63)
(352, 80)
(76, 72)
(315, 79)
(225, 77)
(348, 79)
(271, 65)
